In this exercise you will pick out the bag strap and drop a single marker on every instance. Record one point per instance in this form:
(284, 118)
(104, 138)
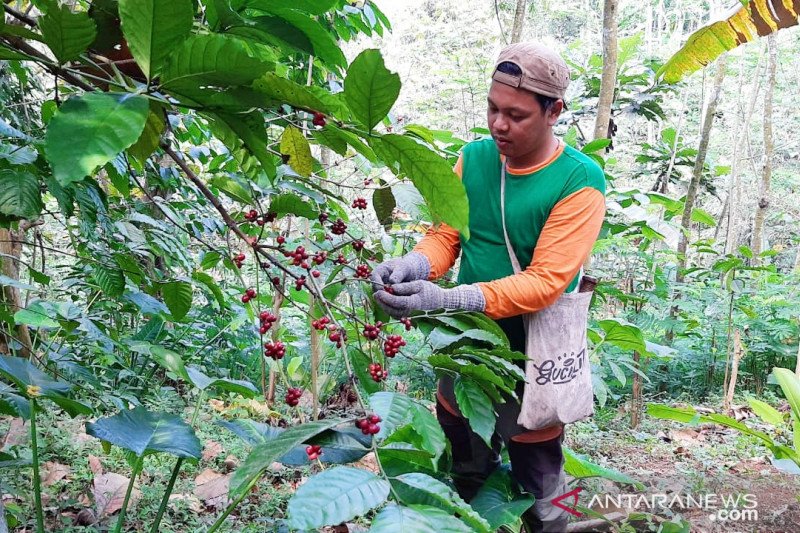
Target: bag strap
(511, 255)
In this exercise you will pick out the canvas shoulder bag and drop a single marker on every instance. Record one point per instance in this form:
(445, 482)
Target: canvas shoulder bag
(558, 387)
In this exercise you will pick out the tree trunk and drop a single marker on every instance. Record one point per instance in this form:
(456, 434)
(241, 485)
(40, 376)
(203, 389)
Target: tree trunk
(316, 353)
(738, 352)
(636, 393)
(769, 148)
(608, 82)
(699, 164)
(519, 21)
(10, 254)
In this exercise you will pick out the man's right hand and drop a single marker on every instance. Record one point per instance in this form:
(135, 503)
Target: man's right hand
(411, 267)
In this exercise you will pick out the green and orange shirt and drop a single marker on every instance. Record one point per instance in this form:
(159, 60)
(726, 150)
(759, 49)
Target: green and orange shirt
(554, 212)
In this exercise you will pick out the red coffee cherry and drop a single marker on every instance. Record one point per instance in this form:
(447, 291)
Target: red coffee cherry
(406, 322)
(362, 271)
(293, 395)
(276, 350)
(313, 451)
(338, 227)
(320, 323)
(392, 345)
(318, 120)
(359, 203)
(377, 372)
(357, 245)
(371, 332)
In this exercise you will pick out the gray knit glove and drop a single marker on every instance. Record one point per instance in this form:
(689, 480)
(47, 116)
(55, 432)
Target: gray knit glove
(410, 267)
(423, 295)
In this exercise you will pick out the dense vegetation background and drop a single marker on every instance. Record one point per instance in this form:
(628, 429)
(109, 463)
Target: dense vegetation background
(158, 160)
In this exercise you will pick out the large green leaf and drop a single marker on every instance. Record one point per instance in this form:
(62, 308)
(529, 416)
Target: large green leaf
(477, 407)
(623, 336)
(291, 204)
(790, 384)
(432, 176)
(211, 59)
(766, 412)
(428, 428)
(151, 135)
(178, 297)
(323, 44)
(263, 455)
(110, 279)
(32, 382)
(743, 23)
(288, 92)
(38, 314)
(67, 34)
(144, 433)
(19, 194)
(8, 53)
(579, 466)
(204, 382)
(295, 146)
(416, 519)
(335, 496)
(153, 28)
(422, 489)
(312, 7)
(499, 500)
(249, 129)
(395, 410)
(90, 130)
(370, 89)
(169, 360)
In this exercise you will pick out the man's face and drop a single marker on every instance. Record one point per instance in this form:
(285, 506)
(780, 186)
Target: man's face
(517, 122)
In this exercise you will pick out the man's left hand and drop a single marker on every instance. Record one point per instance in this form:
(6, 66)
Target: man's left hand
(423, 295)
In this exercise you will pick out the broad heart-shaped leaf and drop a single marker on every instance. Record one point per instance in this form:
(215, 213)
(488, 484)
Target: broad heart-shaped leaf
(499, 500)
(19, 194)
(416, 519)
(67, 34)
(211, 59)
(90, 130)
(13, 404)
(178, 297)
(422, 489)
(432, 176)
(143, 433)
(263, 455)
(335, 496)
(477, 407)
(295, 146)
(288, 92)
(581, 467)
(370, 89)
(744, 23)
(204, 382)
(32, 382)
(153, 28)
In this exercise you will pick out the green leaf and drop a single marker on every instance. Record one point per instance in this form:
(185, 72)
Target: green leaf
(323, 44)
(231, 186)
(204, 382)
(90, 130)
(370, 89)
(19, 194)
(288, 92)
(432, 176)
(17, 284)
(263, 455)
(211, 285)
(580, 467)
(143, 433)
(428, 428)
(110, 279)
(476, 407)
(153, 28)
(335, 496)
(251, 131)
(393, 408)
(595, 146)
(703, 217)
(37, 314)
(295, 146)
(623, 336)
(8, 53)
(416, 488)
(766, 412)
(67, 34)
(499, 500)
(790, 384)
(312, 7)
(416, 519)
(211, 59)
(691, 416)
(151, 135)
(178, 297)
(383, 203)
(290, 204)
(24, 375)
(326, 137)
(169, 360)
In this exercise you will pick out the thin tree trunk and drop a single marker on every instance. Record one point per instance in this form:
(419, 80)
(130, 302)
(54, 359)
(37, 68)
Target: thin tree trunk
(699, 164)
(10, 254)
(738, 352)
(608, 81)
(519, 21)
(769, 148)
(636, 393)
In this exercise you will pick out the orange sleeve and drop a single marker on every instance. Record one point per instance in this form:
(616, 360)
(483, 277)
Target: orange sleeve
(564, 244)
(441, 244)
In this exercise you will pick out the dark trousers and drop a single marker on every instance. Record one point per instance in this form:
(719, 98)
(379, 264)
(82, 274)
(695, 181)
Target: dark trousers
(536, 467)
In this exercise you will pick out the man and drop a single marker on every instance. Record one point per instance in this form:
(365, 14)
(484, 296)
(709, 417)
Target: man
(554, 208)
